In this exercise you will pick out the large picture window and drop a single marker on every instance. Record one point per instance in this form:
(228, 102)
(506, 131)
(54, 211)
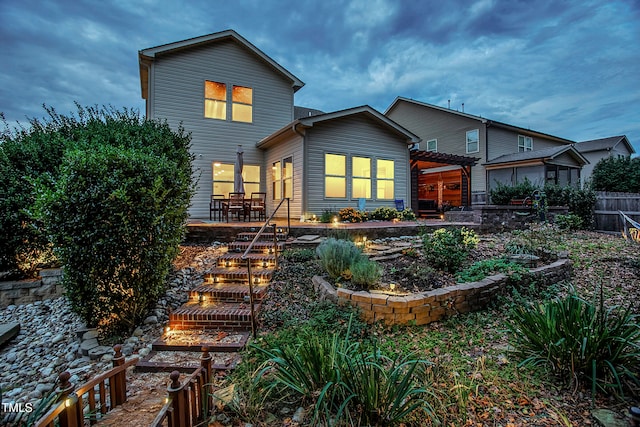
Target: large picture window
(360, 177)
(473, 141)
(335, 176)
(385, 179)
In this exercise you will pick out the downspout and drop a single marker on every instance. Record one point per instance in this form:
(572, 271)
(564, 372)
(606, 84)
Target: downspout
(486, 159)
(303, 193)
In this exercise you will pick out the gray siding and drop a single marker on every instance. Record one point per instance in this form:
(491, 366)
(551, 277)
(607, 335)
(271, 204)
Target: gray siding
(505, 141)
(353, 136)
(177, 95)
(450, 131)
(291, 147)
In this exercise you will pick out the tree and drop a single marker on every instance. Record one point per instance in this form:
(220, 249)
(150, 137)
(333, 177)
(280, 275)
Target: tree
(617, 174)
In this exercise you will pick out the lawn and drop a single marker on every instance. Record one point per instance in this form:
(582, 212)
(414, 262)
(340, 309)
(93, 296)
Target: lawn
(471, 375)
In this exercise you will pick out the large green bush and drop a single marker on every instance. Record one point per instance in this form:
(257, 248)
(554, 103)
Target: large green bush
(337, 255)
(503, 193)
(448, 249)
(116, 217)
(580, 201)
(617, 174)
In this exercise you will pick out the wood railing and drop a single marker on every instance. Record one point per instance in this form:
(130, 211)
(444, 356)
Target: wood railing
(189, 403)
(92, 400)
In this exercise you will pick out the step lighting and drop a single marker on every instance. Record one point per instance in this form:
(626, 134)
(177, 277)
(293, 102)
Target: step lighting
(264, 264)
(392, 286)
(227, 264)
(216, 279)
(256, 280)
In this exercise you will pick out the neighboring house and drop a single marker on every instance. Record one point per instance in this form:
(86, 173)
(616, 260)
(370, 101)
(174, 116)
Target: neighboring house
(505, 153)
(598, 149)
(226, 92)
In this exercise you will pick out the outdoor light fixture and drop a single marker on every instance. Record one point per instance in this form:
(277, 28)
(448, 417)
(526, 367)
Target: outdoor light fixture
(313, 218)
(392, 286)
(264, 264)
(200, 297)
(215, 279)
(256, 280)
(167, 329)
(227, 263)
(70, 401)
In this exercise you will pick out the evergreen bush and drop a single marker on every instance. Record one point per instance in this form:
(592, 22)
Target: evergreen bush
(385, 213)
(365, 272)
(336, 256)
(448, 249)
(617, 174)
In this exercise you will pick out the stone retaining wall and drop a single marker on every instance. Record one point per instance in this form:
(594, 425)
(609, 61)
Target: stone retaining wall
(495, 219)
(426, 307)
(45, 287)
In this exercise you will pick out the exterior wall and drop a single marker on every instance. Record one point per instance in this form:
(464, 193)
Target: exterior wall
(353, 136)
(515, 175)
(292, 147)
(505, 141)
(593, 157)
(450, 131)
(176, 93)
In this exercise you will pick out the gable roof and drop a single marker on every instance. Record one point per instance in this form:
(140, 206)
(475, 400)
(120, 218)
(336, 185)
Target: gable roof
(480, 119)
(604, 144)
(146, 56)
(543, 155)
(310, 121)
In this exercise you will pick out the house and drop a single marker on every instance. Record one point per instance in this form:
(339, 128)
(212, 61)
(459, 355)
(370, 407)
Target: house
(598, 149)
(226, 92)
(504, 153)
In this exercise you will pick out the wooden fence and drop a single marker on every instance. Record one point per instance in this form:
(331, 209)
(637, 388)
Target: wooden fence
(92, 400)
(609, 203)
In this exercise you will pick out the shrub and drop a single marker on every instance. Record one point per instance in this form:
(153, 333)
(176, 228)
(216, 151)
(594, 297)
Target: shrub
(481, 269)
(298, 255)
(407, 215)
(503, 193)
(576, 339)
(581, 202)
(542, 240)
(336, 256)
(328, 215)
(352, 215)
(365, 272)
(568, 222)
(385, 213)
(447, 249)
(617, 174)
(116, 217)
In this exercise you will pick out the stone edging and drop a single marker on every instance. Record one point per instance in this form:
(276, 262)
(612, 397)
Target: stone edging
(18, 292)
(426, 307)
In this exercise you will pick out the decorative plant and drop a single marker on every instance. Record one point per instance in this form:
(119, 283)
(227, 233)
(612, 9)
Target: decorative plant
(481, 269)
(337, 256)
(385, 213)
(365, 272)
(352, 215)
(407, 215)
(447, 249)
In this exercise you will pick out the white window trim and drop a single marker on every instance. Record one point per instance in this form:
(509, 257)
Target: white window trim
(524, 143)
(427, 146)
(280, 182)
(466, 141)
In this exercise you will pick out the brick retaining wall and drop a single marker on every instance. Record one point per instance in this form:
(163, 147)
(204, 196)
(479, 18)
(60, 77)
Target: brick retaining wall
(17, 292)
(426, 307)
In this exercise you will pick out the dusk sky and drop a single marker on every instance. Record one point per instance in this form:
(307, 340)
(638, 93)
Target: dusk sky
(567, 68)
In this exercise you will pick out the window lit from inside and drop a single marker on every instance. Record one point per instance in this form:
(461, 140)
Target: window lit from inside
(360, 177)
(525, 143)
(215, 100)
(335, 176)
(282, 179)
(223, 178)
(473, 141)
(385, 179)
(242, 104)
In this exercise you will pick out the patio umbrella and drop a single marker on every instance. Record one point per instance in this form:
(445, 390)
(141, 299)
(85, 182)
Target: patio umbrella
(238, 183)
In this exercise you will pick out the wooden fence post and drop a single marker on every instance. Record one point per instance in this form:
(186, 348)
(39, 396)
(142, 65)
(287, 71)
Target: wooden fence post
(119, 380)
(180, 413)
(69, 417)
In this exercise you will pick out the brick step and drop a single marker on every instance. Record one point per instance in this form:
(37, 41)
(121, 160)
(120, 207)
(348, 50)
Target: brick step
(226, 292)
(224, 316)
(258, 260)
(187, 340)
(263, 247)
(240, 274)
(147, 365)
(266, 236)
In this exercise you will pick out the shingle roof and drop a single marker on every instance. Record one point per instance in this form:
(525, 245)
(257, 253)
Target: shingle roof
(603, 144)
(545, 153)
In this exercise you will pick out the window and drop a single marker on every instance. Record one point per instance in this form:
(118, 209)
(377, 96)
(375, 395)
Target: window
(215, 100)
(242, 104)
(360, 177)
(335, 176)
(282, 174)
(432, 145)
(473, 141)
(385, 179)
(223, 177)
(525, 143)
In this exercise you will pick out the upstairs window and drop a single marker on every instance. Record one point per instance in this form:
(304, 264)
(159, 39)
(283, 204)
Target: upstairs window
(525, 143)
(242, 104)
(473, 141)
(432, 145)
(215, 100)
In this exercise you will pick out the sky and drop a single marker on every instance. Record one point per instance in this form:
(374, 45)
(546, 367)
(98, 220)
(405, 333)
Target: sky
(569, 68)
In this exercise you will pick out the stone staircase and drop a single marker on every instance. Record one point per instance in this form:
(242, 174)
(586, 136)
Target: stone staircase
(218, 312)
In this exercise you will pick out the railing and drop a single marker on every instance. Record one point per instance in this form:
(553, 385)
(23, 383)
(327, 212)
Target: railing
(188, 404)
(102, 394)
(275, 251)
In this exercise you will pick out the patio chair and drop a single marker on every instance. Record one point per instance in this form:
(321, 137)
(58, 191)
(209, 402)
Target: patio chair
(235, 205)
(257, 206)
(215, 207)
